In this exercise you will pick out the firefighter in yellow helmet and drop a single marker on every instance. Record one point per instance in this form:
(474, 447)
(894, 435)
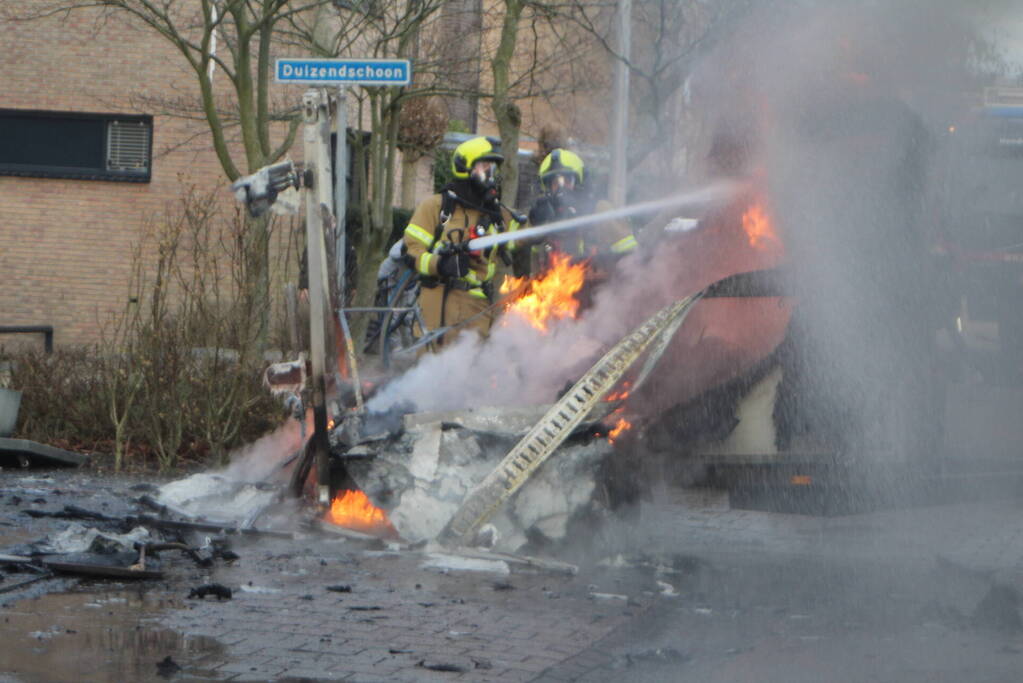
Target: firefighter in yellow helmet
(565, 195)
(457, 284)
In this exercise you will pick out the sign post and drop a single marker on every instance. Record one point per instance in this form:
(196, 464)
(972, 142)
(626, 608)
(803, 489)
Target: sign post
(316, 113)
(379, 72)
(341, 195)
(317, 157)
(342, 73)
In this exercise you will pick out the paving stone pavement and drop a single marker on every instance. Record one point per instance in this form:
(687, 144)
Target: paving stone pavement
(399, 618)
(980, 539)
(402, 617)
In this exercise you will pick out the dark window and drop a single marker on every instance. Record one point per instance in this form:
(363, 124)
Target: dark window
(49, 144)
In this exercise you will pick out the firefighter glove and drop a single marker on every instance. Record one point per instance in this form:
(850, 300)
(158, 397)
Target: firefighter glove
(454, 264)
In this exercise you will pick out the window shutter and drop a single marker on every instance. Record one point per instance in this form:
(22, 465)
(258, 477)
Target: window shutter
(128, 146)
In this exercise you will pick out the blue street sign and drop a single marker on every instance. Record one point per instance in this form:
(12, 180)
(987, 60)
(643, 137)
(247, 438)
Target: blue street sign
(344, 71)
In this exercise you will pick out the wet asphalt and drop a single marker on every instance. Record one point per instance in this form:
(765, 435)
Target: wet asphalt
(684, 589)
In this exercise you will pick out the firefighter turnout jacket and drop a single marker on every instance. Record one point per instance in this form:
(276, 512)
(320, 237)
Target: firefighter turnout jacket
(424, 242)
(439, 223)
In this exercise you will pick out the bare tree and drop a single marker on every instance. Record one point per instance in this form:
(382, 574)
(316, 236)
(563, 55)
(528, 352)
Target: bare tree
(535, 57)
(420, 130)
(502, 104)
(223, 39)
(669, 37)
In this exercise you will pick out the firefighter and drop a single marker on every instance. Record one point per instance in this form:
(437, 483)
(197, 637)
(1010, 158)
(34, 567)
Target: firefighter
(565, 195)
(457, 285)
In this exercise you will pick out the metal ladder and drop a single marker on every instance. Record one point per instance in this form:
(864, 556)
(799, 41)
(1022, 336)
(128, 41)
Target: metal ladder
(558, 423)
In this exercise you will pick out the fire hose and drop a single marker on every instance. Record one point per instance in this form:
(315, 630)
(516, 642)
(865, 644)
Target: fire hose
(558, 423)
(716, 192)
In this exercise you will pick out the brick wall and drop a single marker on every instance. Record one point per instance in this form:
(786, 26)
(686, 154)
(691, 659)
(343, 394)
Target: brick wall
(66, 245)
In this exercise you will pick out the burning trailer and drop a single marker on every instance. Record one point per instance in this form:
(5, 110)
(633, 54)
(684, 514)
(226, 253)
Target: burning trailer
(789, 340)
(484, 474)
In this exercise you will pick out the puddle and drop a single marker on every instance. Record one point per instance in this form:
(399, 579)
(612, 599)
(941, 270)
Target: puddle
(97, 636)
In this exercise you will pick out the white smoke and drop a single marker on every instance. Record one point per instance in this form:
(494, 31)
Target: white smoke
(520, 365)
(833, 173)
(258, 461)
(237, 493)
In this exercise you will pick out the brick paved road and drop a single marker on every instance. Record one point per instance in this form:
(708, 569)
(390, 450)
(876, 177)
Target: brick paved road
(398, 619)
(402, 617)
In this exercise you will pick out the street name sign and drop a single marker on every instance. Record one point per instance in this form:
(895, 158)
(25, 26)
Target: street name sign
(344, 71)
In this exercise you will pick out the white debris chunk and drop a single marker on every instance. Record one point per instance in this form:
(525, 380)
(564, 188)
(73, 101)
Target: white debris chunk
(422, 478)
(216, 497)
(77, 538)
(446, 562)
(667, 590)
(609, 596)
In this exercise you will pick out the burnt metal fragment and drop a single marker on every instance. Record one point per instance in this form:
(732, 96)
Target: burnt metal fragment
(102, 570)
(157, 523)
(26, 453)
(220, 591)
(449, 665)
(73, 512)
(15, 586)
(167, 667)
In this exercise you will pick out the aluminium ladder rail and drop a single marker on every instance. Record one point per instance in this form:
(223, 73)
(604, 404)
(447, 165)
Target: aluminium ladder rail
(558, 423)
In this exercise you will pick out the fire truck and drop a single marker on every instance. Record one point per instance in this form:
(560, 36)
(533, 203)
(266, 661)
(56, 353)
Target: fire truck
(900, 366)
(980, 232)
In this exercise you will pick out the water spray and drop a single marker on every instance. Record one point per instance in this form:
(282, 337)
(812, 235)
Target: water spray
(715, 193)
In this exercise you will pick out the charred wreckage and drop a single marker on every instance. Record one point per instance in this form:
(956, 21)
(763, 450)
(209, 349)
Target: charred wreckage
(744, 346)
(738, 328)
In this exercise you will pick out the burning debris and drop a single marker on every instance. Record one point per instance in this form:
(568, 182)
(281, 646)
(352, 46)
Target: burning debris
(423, 476)
(352, 509)
(464, 474)
(460, 477)
(548, 298)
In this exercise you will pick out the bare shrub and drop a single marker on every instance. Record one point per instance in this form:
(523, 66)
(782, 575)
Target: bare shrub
(178, 374)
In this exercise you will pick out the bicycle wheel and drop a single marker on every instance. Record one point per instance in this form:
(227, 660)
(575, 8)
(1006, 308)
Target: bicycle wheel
(397, 328)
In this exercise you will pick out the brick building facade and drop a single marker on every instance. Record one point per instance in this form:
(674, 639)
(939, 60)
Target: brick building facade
(66, 243)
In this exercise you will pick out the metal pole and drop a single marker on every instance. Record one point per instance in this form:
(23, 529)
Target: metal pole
(317, 159)
(618, 188)
(341, 193)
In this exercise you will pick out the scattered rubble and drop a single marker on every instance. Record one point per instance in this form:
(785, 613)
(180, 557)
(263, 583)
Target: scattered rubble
(421, 476)
(79, 539)
(446, 563)
(452, 665)
(340, 588)
(118, 547)
(167, 667)
(219, 591)
(24, 453)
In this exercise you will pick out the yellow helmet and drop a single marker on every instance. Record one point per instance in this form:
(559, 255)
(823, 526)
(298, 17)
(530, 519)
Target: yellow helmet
(471, 151)
(560, 161)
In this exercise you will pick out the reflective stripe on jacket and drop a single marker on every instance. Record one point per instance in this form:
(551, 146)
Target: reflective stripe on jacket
(420, 231)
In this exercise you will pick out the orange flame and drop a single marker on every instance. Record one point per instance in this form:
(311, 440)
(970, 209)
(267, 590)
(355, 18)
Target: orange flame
(618, 395)
(619, 427)
(757, 225)
(353, 510)
(551, 295)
